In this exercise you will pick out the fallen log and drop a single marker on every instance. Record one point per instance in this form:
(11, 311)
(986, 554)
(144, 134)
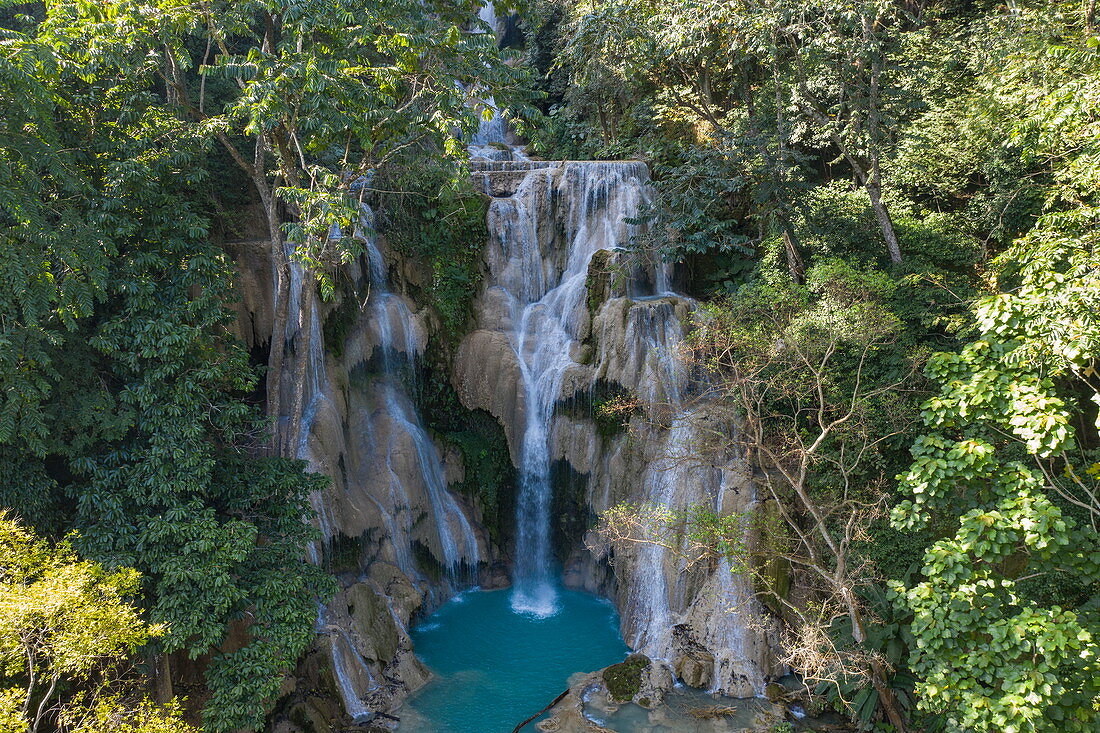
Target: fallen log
(715, 711)
(546, 709)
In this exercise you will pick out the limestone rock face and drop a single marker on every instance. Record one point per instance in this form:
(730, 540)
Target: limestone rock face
(372, 621)
(638, 344)
(486, 377)
(588, 707)
(394, 535)
(255, 307)
(627, 336)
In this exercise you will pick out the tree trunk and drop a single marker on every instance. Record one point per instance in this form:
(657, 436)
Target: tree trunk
(873, 181)
(874, 191)
(277, 351)
(854, 614)
(162, 665)
(795, 265)
(887, 697)
(878, 673)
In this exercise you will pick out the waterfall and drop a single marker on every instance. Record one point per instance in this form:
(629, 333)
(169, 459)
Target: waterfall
(317, 392)
(650, 601)
(398, 340)
(490, 139)
(352, 674)
(393, 430)
(456, 536)
(545, 292)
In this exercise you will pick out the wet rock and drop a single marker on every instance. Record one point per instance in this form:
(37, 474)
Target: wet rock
(486, 376)
(405, 599)
(695, 668)
(314, 715)
(376, 629)
(766, 720)
(657, 680)
(775, 692)
(408, 669)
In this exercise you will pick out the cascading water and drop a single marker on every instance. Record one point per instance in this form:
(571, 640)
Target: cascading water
(571, 321)
(398, 342)
(545, 335)
(317, 391)
(405, 489)
(545, 293)
(649, 603)
(680, 478)
(352, 674)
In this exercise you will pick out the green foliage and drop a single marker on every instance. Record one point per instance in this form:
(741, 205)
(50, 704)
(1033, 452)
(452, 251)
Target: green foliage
(970, 132)
(112, 715)
(700, 202)
(814, 370)
(607, 404)
(624, 679)
(67, 628)
(612, 415)
(888, 638)
(433, 216)
(973, 621)
(490, 477)
(1010, 447)
(692, 533)
(53, 257)
(136, 432)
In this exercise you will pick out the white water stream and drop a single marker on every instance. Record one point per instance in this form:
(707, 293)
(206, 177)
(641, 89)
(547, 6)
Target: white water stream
(545, 292)
(398, 342)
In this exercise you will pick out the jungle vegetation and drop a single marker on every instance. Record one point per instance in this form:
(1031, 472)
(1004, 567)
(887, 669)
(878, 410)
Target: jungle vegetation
(890, 210)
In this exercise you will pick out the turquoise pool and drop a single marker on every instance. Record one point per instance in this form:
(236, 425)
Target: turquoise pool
(495, 667)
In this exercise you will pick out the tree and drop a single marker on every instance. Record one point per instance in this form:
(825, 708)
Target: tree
(54, 259)
(139, 433)
(840, 63)
(815, 372)
(1005, 614)
(67, 629)
(323, 95)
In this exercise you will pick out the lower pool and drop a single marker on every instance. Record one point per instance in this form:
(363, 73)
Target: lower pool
(496, 667)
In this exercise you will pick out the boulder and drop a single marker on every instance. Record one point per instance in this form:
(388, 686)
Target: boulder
(405, 599)
(374, 625)
(695, 667)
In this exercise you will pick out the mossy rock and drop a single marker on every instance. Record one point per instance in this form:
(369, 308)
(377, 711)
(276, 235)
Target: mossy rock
(624, 679)
(598, 281)
(775, 692)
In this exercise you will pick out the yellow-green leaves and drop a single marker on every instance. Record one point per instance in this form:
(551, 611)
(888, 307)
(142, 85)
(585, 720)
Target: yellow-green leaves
(62, 619)
(113, 714)
(67, 613)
